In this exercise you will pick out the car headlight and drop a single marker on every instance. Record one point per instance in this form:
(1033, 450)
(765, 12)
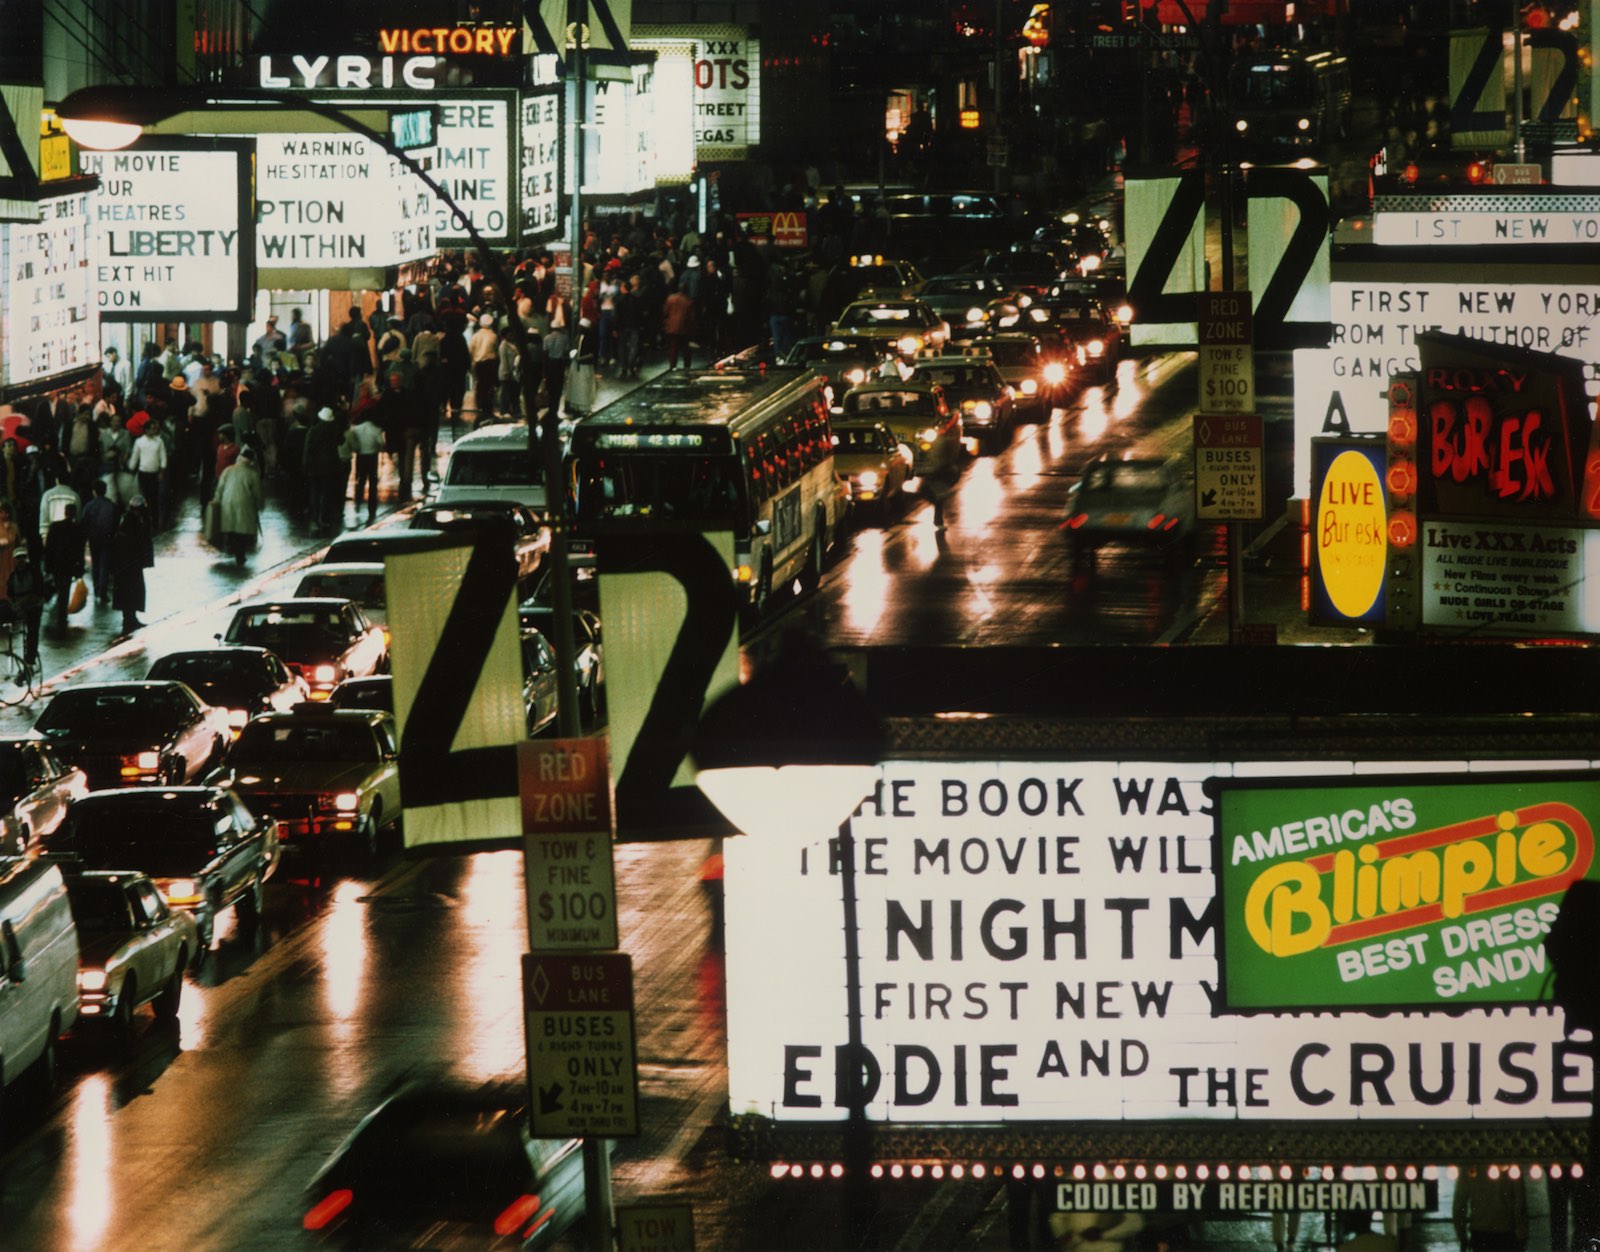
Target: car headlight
(855, 376)
(927, 435)
(1097, 347)
(1124, 313)
(140, 764)
(1054, 373)
(1030, 386)
(1241, 126)
(1024, 300)
(1088, 264)
(1303, 124)
(91, 980)
(868, 479)
(976, 315)
(325, 674)
(982, 410)
(909, 345)
(346, 801)
(238, 717)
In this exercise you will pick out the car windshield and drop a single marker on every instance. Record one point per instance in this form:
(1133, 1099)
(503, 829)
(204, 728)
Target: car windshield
(218, 675)
(362, 588)
(113, 714)
(857, 439)
(1012, 353)
(879, 315)
(964, 286)
(364, 694)
(958, 376)
(98, 904)
(489, 467)
(291, 632)
(150, 837)
(332, 740)
(888, 402)
(1029, 263)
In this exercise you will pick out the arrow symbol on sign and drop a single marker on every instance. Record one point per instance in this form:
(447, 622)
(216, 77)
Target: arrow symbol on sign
(1208, 498)
(550, 1098)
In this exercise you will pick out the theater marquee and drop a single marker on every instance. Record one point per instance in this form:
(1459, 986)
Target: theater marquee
(1039, 943)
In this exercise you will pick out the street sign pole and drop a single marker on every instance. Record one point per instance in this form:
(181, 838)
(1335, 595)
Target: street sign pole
(1225, 431)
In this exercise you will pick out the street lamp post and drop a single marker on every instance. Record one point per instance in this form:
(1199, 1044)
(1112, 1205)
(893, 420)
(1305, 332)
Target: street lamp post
(115, 116)
(792, 753)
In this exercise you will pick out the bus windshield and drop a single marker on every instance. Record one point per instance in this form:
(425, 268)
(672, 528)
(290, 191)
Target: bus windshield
(1273, 84)
(656, 486)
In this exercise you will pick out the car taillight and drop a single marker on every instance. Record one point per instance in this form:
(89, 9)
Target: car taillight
(141, 765)
(1075, 521)
(1155, 522)
(514, 1214)
(326, 1209)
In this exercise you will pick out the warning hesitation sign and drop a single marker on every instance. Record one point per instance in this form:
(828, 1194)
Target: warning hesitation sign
(1228, 468)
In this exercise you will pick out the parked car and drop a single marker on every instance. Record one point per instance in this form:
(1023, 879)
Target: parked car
(465, 515)
(133, 947)
(539, 685)
(242, 681)
(329, 777)
(324, 641)
(452, 1163)
(588, 659)
(1131, 502)
(38, 969)
(920, 417)
(36, 788)
(874, 465)
(127, 733)
(361, 582)
(973, 386)
(204, 849)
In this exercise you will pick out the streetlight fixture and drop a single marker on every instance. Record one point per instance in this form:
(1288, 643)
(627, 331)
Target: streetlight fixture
(793, 752)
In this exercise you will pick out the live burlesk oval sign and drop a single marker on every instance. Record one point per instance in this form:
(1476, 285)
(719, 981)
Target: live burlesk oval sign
(1397, 893)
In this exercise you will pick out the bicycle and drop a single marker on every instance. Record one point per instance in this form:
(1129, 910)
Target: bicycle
(15, 669)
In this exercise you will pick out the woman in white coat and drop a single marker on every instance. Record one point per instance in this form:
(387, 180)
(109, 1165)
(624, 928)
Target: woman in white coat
(239, 501)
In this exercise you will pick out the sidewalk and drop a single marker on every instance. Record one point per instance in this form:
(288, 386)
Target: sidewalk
(191, 579)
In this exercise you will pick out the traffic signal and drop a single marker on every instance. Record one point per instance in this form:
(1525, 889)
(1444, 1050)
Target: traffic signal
(1401, 566)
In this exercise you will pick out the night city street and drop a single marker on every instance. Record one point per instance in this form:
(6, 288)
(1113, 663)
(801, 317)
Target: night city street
(649, 625)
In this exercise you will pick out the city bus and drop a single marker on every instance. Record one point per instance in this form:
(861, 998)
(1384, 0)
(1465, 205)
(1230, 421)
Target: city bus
(749, 451)
(1287, 103)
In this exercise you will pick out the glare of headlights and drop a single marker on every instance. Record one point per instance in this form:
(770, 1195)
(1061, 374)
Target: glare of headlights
(1124, 313)
(928, 434)
(1054, 372)
(983, 410)
(1241, 126)
(237, 717)
(1089, 263)
(346, 801)
(975, 315)
(1029, 386)
(868, 479)
(1097, 347)
(1303, 124)
(855, 376)
(324, 674)
(91, 979)
(1024, 300)
(910, 345)
(181, 889)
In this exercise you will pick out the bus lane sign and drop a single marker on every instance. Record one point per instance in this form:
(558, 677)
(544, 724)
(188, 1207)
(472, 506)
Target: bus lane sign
(582, 1067)
(1228, 468)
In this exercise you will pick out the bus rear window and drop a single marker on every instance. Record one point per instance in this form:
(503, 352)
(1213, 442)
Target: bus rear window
(685, 488)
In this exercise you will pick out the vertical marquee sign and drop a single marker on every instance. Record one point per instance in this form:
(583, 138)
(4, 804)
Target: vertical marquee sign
(50, 325)
(174, 226)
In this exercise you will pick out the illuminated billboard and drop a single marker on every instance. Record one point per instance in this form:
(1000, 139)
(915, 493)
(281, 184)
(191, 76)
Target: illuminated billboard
(1039, 943)
(708, 86)
(1401, 892)
(51, 324)
(540, 201)
(1349, 523)
(173, 234)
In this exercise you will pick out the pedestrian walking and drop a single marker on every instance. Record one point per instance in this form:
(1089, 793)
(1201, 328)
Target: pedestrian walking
(132, 552)
(63, 561)
(365, 439)
(629, 318)
(148, 460)
(557, 359)
(485, 352)
(99, 519)
(510, 379)
(239, 504)
(54, 504)
(327, 469)
(677, 326)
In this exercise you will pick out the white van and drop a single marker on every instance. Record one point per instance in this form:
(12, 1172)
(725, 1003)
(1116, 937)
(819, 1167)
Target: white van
(494, 463)
(38, 967)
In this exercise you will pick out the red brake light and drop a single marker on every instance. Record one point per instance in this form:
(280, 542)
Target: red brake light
(1155, 522)
(326, 1209)
(514, 1214)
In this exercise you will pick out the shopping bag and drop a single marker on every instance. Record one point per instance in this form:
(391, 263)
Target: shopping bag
(212, 531)
(79, 596)
(580, 388)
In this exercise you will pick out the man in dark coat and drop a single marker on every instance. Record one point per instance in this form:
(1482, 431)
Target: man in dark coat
(132, 552)
(25, 591)
(63, 560)
(99, 527)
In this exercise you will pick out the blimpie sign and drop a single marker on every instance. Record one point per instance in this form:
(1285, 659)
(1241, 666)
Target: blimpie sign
(1397, 892)
(1039, 943)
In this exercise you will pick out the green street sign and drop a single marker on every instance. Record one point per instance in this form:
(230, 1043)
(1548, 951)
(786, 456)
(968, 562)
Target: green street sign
(1403, 892)
(414, 128)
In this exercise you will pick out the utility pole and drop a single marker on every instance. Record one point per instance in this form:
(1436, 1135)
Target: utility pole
(995, 136)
